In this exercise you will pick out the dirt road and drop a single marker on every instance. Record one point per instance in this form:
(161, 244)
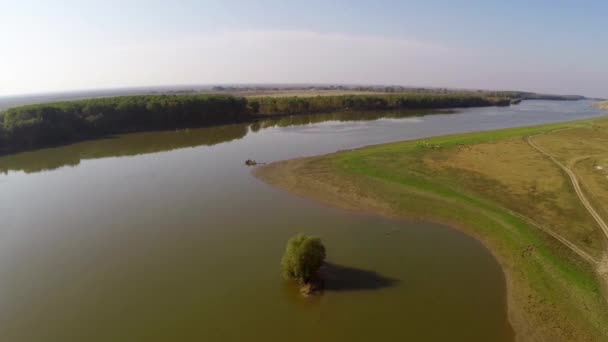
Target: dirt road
(602, 265)
(577, 187)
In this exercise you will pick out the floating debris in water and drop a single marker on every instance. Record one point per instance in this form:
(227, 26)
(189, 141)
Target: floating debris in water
(251, 162)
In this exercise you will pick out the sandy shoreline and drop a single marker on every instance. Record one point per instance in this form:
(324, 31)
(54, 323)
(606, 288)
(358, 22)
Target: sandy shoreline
(283, 175)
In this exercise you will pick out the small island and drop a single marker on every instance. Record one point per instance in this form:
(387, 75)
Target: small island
(304, 256)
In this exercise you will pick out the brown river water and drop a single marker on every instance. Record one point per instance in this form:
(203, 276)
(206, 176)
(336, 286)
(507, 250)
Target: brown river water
(166, 236)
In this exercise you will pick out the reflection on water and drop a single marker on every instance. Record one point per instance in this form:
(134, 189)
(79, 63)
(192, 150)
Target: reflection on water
(299, 120)
(435, 122)
(152, 142)
(119, 146)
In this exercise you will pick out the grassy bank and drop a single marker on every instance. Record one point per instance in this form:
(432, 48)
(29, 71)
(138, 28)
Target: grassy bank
(40, 125)
(498, 188)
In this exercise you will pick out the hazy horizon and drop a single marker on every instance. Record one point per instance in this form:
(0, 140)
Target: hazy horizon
(71, 46)
(207, 87)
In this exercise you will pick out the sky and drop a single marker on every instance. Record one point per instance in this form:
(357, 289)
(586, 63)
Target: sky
(536, 45)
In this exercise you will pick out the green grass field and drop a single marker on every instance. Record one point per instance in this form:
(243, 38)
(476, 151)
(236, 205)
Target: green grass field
(496, 187)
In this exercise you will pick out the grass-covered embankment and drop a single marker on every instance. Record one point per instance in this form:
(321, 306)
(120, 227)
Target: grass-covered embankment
(498, 188)
(40, 125)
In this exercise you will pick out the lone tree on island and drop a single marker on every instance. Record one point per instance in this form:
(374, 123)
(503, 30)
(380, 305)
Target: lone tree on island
(303, 257)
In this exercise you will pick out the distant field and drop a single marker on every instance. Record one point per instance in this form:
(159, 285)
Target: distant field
(500, 188)
(306, 93)
(602, 105)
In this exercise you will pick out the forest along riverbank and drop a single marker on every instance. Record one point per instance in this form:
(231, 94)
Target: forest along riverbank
(39, 125)
(501, 190)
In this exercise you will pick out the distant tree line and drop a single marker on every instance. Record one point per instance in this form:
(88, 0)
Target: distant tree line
(396, 89)
(524, 95)
(39, 125)
(318, 104)
(54, 123)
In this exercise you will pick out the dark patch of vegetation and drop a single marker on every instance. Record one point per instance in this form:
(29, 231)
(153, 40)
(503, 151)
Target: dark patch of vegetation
(551, 97)
(39, 125)
(318, 104)
(303, 258)
(517, 96)
(35, 126)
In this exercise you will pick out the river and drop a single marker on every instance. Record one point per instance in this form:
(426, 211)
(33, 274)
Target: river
(166, 236)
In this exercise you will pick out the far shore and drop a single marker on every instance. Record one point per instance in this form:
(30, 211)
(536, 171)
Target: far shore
(36, 126)
(601, 105)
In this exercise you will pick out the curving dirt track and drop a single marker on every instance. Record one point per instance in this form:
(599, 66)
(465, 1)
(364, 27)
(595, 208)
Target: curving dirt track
(575, 183)
(602, 265)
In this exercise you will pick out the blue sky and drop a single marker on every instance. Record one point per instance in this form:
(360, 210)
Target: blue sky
(550, 46)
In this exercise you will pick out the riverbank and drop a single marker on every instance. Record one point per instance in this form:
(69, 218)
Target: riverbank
(499, 188)
(601, 105)
(42, 125)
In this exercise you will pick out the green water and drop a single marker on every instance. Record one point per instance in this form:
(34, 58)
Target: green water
(166, 236)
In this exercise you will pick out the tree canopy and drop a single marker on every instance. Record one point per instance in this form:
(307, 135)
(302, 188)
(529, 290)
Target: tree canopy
(40, 125)
(303, 257)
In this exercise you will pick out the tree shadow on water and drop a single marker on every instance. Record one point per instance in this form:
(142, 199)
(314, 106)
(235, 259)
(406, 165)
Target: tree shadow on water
(345, 278)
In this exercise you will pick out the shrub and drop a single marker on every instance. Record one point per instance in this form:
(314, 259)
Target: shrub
(303, 257)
